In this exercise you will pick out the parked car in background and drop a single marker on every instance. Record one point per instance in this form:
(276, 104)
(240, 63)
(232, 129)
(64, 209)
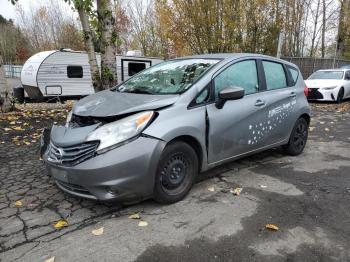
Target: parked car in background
(329, 85)
(151, 135)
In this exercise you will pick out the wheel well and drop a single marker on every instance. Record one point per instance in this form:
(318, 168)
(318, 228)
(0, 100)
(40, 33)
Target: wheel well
(193, 142)
(306, 117)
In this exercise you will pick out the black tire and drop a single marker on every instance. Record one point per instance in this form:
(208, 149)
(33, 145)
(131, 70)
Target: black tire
(176, 173)
(340, 96)
(298, 138)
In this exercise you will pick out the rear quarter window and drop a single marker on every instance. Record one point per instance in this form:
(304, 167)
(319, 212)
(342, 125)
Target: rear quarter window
(294, 73)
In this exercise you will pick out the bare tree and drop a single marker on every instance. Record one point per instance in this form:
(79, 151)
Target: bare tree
(315, 15)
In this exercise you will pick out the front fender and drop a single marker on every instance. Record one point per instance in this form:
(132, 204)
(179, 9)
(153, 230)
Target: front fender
(175, 122)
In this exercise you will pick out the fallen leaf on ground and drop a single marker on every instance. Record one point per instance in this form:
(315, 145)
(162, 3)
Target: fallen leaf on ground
(7, 129)
(18, 128)
(211, 189)
(61, 223)
(51, 259)
(237, 191)
(26, 142)
(97, 232)
(18, 203)
(272, 227)
(13, 123)
(135, 216)
(143, 223)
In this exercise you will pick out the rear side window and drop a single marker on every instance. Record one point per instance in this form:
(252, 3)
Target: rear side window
(275, 75)
(294, 73)
(241, 74)
(75, 71)
(134, 68)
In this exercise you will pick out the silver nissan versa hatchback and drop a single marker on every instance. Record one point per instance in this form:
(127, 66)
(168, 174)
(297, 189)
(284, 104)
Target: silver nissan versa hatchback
(150, 136)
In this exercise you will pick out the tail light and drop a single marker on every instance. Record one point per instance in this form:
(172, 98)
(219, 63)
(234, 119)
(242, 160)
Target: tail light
(306, 91)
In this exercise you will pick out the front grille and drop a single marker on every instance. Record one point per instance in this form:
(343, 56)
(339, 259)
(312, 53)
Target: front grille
(314, 94)
(72, 155)
(73, 187)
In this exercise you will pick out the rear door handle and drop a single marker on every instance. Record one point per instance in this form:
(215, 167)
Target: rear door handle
(259, 102)
(293, 94)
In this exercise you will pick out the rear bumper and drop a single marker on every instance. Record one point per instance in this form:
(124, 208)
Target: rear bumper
(124, 173)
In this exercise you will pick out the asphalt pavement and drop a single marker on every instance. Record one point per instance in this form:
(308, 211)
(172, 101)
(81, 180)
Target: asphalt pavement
(307, 197)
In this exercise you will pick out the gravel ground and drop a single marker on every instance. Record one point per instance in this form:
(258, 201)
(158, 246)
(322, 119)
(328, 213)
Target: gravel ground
(307, 197)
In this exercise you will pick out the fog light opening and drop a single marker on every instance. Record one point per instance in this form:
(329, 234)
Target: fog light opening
(112, 190)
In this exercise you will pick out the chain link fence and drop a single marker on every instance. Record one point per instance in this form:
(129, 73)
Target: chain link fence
(308, 65)
(13, 71)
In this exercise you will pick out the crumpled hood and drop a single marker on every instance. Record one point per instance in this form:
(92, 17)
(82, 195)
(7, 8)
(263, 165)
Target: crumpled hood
(112, 103)
(322, 83)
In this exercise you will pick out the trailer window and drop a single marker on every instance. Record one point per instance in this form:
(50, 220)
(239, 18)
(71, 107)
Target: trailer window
(75, 71)
(134, 68)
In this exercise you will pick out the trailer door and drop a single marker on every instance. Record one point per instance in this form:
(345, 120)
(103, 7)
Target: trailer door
(131, 67)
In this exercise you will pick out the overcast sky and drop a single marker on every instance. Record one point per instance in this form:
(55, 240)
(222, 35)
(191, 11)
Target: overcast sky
(8, 10)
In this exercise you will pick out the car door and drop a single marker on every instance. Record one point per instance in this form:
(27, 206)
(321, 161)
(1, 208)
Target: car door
(280, 97)
(236, 128)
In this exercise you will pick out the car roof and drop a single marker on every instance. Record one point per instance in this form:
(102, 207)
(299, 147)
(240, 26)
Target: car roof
(335, 69)
(231, 56)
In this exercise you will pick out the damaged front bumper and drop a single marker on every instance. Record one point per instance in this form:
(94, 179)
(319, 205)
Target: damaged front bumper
(125, 173)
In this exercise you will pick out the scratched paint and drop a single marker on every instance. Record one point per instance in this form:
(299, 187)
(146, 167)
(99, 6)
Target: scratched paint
(276, 116)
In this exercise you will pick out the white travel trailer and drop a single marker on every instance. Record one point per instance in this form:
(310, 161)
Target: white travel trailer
(66, 73)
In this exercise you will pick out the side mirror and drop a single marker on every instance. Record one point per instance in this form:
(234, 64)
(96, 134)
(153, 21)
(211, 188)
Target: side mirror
(229, 93)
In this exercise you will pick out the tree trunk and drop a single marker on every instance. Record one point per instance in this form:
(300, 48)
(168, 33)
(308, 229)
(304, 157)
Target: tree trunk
(107, 40)
(342, 27)
(5, 99)
(89, 45)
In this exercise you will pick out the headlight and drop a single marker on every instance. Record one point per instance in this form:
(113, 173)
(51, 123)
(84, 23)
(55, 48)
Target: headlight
(69, 118)
(329, 88)
(121, 130)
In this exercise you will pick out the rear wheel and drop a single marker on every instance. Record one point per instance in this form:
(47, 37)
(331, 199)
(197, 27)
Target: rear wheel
(298, 138)
(176, 173)
(340, 95)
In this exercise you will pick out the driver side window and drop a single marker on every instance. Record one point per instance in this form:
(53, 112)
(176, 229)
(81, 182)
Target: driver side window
(242, 74)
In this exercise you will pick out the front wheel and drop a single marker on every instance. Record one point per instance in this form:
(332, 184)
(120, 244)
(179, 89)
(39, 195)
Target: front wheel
(176, 173)
(340, 95)
(298, 138)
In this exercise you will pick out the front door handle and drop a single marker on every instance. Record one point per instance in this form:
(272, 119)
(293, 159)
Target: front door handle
(259, 102)
(293, 94)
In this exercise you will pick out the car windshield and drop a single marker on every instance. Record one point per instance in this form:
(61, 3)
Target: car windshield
(171, 77)
(327, 75)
